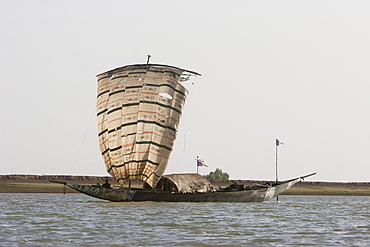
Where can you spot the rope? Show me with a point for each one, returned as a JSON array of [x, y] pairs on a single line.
[[83, 139]]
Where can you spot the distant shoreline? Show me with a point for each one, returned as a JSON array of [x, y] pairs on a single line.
[[41, 184]]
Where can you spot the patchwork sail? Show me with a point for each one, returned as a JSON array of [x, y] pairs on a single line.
[[138, 109]]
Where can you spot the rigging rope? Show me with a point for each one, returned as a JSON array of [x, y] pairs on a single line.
[[83, 139]]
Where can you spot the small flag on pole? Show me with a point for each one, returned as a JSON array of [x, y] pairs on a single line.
[[200, 162], [278, 143]]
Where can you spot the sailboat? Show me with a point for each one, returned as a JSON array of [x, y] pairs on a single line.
[[138, 110]]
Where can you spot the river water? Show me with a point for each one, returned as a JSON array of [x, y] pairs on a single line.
[[79, 220]]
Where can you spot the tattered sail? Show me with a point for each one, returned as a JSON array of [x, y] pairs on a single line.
[[139, 109]]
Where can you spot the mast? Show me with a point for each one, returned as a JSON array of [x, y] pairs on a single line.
[[276, 160], [277, 142]]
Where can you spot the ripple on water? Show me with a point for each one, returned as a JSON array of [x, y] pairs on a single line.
[[75, 219]]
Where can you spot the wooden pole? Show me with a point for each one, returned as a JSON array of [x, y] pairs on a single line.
[[197, 164], [276, 167], [276, 164], [147, 61]]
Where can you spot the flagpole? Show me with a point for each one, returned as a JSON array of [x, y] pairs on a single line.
[[276, 165], [197, 164]]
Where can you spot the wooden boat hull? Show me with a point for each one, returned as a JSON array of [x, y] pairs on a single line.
[[127, 195], [115, 195], [255, 195]]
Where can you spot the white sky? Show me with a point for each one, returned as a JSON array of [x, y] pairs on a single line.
[[293, 70]]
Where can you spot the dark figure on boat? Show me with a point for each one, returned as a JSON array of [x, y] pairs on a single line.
[[234, 187], [106, 184]]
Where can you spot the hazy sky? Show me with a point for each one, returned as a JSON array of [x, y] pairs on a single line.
[[293, 70]]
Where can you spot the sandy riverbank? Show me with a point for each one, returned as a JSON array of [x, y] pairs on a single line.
[[41, 184]]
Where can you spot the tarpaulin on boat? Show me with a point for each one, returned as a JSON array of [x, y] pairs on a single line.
[[189, 183], [139, 109]]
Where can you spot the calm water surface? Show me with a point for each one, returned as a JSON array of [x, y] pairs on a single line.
[[79, 220]]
